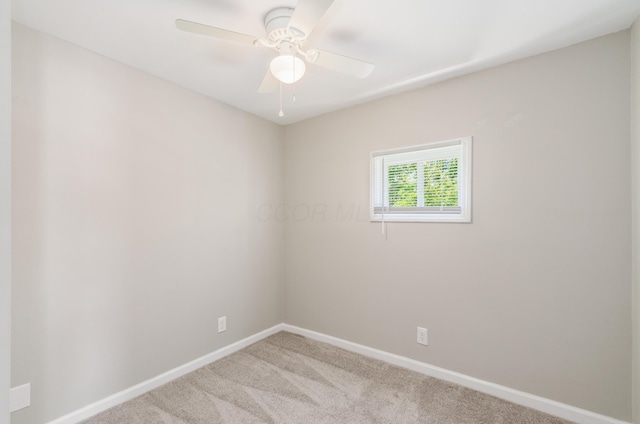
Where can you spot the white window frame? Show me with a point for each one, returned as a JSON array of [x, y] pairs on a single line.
[[381, 160]]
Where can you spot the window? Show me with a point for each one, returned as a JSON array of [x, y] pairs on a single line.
[[431, 182]]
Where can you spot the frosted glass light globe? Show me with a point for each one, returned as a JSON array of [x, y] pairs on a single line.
[[283, 66]]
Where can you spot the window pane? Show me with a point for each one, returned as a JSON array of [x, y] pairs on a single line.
[[426, 183], [403, 182], [441, 182]]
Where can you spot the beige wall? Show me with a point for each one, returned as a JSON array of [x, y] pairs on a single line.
[[136, 225], [534, 294], [5, 209], [635, 146]]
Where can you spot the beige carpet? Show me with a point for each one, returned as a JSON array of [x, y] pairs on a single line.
[[287, 378]]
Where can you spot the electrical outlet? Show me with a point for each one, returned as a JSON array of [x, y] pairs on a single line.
[[423, 336], [222, 324]]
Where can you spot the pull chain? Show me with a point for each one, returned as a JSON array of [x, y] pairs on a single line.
[[293, 58]]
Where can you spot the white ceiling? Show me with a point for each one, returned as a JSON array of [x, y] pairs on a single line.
[[412, 42]]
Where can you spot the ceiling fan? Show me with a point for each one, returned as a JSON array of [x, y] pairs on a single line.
[[287, 31]]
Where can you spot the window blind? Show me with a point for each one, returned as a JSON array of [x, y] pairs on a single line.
[[426, 180]]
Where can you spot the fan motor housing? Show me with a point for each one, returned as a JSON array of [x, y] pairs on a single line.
[[276, 24]]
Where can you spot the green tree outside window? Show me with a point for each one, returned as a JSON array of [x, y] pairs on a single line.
[[439, 183]]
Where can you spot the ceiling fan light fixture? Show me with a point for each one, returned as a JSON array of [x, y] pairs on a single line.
[[287, 68]]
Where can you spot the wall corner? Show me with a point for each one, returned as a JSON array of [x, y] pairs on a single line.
[[635, 216]]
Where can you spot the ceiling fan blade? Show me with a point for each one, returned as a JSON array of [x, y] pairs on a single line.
[[269, 83], [214, 32], [344, 64], [308, 13]]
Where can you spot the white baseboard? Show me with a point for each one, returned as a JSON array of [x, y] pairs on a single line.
[[548, 406], [19, 397], [145, 386]]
